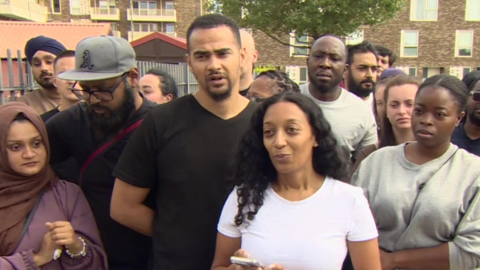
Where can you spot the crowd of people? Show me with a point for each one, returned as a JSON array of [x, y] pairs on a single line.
[[362, 168]]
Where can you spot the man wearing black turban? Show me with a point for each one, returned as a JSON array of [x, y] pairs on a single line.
[[41, 51]]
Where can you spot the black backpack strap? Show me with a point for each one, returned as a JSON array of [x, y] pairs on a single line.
[[30, 216]]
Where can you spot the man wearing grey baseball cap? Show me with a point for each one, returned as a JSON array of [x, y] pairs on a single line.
[[94, 133]]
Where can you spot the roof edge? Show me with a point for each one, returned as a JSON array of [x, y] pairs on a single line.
[[161, 36]]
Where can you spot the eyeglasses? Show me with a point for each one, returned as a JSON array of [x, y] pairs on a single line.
[[102, 95], [475, 96]]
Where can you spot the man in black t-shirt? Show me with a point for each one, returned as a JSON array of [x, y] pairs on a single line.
[[96, 131], [182, 151]]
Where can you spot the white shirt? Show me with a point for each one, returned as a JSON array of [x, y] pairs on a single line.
[[369, 101], [304, 235], [351, 119]]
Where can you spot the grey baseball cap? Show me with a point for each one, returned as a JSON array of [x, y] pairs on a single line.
[[100, 58]]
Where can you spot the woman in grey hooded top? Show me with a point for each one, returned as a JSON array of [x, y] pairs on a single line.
[[425, 195]]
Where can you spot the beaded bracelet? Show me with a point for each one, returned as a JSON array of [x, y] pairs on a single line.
[[82, 253]]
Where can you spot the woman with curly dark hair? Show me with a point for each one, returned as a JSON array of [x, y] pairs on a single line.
[[290, 210]]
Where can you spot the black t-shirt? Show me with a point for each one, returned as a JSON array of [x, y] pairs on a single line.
[[71, 135], [67, 170], [49, 114], [460, 138], [244, 92], [184, 153]]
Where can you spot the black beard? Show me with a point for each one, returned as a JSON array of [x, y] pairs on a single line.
[[357, 89], [46, 84], [473, 118], [117, 118], [325, 87], [221, 96]]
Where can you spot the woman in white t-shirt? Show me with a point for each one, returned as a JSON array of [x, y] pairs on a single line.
[[288, 210]]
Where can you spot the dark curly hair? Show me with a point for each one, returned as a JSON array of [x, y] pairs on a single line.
[[281, 80], [254, 169]]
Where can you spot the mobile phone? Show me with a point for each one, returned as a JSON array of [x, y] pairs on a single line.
[[245, 262]]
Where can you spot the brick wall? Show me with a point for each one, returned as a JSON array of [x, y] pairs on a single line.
[[65, 15], [273, 53], [124, 24], [187, 11], [436, 39]]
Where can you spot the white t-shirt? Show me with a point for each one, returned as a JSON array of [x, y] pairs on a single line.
[[305, 235], [369, 101], [351, 119]]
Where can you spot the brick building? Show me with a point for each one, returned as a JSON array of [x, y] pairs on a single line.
[[130, 19], [433, 36], [429, 37]]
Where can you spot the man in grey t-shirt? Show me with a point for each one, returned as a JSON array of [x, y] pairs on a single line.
[[352, 121]]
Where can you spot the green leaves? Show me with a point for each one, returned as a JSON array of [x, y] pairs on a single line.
[[278, 18]]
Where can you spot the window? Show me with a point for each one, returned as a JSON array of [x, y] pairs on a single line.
[[472, 10], [412, 71], [169, 9], [169, 6], [107, 7], [301, 45], [136, 27], [424, 10], [75, 8], [56, 6], [144, 5], [355, 38], [107, 4], [298, 74], [145, 27], [409, 43], [459, 71], [170, 28], [425, 73], [303, 75], [463, 43], [145, 8]]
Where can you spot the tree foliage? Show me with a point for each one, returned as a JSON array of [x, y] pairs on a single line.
[[313, 18], [261, 69]]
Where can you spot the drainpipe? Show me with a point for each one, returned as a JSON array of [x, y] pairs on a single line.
[[131, 20], [201, 7]]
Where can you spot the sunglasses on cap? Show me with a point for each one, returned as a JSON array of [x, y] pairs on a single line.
[[475, 96]]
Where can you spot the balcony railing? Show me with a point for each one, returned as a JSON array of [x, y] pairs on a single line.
[[23, 10], [160, 15], [105, 13]]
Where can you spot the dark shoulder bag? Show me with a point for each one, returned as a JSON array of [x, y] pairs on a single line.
[[30, 217]]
